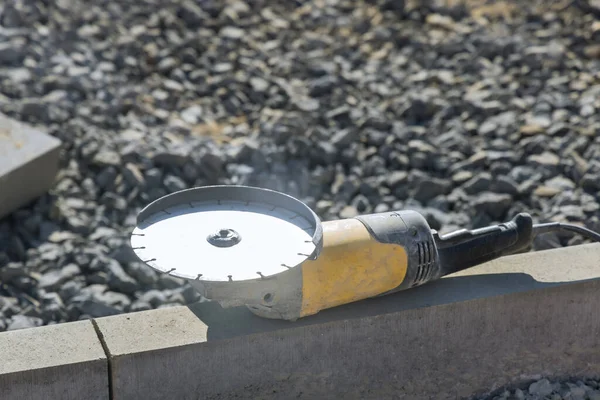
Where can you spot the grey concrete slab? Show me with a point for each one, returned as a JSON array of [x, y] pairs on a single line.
[[64, 361], [504, 322], [29, 162]]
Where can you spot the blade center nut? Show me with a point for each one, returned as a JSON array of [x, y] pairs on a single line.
[[224, 238]]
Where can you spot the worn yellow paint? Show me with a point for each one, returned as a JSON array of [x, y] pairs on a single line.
[[352, 266]]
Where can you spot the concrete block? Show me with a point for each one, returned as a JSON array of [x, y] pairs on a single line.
[[505, 322], [64, 361], [29, 161]]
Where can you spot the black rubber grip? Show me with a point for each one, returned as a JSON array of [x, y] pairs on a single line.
[[467, 248]]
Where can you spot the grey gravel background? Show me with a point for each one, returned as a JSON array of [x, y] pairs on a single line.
[[468, 113]]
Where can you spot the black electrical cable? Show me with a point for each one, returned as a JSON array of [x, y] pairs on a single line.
[[557, 226]]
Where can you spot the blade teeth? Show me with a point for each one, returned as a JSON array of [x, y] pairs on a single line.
[[198, 277], [171, 270], [261, 275], [230, 278]]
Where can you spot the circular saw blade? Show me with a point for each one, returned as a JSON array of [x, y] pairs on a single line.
[[226, 233]]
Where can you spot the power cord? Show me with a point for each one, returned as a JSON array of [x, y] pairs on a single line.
[[539, 229]]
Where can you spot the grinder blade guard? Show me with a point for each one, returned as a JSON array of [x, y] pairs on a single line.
[[237, 245]]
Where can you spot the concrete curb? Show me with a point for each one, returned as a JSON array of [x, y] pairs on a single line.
[[64, 361], [502, 323]]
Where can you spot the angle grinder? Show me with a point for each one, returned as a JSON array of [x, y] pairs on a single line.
[[268, 251]]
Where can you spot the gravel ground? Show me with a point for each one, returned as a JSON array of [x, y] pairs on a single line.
[[469, 113], [546, 389]]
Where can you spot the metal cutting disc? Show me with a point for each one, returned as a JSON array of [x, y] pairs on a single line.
[[226, 233]]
